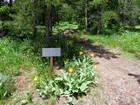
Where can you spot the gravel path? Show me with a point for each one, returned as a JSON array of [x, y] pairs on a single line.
[[120, 76], [121, 80]]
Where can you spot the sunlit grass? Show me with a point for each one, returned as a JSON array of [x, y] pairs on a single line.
[[128, 41], [16, 55], [137, 27]]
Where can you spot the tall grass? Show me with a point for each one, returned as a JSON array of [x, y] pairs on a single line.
[[18, 56], [13, 56], [128, 41]]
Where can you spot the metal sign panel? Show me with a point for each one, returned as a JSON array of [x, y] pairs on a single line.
[[51, 52]]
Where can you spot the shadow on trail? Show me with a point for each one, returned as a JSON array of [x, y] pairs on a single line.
[[66, 36], [99, 50], [136, 76]]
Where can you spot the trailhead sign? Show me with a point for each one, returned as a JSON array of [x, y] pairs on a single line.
[[51, 52]]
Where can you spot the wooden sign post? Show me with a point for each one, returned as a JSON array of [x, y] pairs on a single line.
[[51, 52]]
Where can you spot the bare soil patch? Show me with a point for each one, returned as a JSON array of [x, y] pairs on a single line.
[[22, 85]]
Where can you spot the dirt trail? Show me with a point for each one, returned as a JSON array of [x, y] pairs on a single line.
[[120, 76], [121, 79]]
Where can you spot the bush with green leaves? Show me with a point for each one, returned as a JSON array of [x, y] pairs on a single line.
[[68, 45], [6, 86], [5, 11], [72, 83]]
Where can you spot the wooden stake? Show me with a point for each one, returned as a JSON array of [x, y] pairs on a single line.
[[51, 66]]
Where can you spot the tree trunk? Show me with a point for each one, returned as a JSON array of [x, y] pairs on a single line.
[[86, 14], [10, 3], [35, 30], [99, 21], [48, 23], [35, 19], [99, 25]]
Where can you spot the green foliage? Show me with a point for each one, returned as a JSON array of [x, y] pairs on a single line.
[[54, 2], [16, 55], [110, 23], [70, 84], [13, 57], [113, 29], [7, 27], [68, 47], [28, 96], [67, 13], [24, 16], [41, 30], [52, 101], [129, 11], [5, 12], [23, 25], [98, 2], [63, 26], [7, 86], [113, 14], [107, 16], [4, 9]]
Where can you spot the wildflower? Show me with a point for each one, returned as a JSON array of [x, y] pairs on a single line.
[[35, 78], [65, 62], [29, 86], [81, 53], [92, 54], [95, 67], [70, 70]]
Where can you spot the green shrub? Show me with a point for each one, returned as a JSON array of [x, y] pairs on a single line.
[[108, 17], [71, 83], [69, 47]]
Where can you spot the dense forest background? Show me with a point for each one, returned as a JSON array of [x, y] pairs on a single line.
[[34, 18]]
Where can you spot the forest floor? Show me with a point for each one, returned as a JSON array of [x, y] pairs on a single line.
[[119, 75]]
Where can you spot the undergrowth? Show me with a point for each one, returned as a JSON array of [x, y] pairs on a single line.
[[79, 76], [17, 56]]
